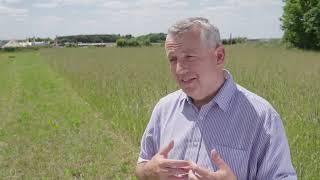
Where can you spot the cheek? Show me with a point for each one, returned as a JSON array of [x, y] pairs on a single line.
[[204, 74], [173, 71]]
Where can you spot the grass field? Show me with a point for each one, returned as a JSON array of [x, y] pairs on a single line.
[[81, 112], [48, 131]]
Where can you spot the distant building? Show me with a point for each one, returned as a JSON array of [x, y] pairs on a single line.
[[41, 43], [25, 43], [15, 44], [11, 44]]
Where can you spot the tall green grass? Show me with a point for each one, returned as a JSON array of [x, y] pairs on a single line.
[[47, 131], [124, 85]]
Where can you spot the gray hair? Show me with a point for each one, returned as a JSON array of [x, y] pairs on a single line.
[[209, 33]]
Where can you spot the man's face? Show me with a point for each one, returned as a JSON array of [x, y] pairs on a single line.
[[195, 67]]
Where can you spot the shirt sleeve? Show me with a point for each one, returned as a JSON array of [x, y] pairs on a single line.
[[150, 139], [274, 160]]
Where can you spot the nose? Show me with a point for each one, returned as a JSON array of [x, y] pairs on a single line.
[[181, 68]]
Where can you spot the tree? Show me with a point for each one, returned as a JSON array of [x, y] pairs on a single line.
[[146, 42], [301, 23], [133, 42], [121, 42]]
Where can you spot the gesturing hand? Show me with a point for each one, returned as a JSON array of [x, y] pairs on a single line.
[[159, 167], [223, 172]]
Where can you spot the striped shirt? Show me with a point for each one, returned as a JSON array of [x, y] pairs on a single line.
[[244, 129]]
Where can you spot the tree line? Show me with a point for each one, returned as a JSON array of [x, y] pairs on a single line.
[[112, 38], [301, 23]]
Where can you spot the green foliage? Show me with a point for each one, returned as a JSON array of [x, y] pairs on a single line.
[[125, 40], [301, 23], [96, 38], [121, 42], [10, 49], [16, 49], [153, 37], [146, 42], [38, 39], [133, 42]]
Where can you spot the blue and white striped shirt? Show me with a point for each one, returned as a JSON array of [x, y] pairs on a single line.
[[244, 129]]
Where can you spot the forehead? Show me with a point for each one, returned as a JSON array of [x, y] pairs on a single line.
[[186, 41]]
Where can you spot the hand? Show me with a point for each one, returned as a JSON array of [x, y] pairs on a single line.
[[223, 172], [159, 167]]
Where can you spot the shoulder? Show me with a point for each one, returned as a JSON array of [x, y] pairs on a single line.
[[260, 105], [171, 99], [168, 104], [265, 112]]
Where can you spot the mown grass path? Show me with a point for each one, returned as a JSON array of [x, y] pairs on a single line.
[[48, 131]]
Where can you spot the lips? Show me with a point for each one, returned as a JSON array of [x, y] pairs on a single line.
[[187, 81]]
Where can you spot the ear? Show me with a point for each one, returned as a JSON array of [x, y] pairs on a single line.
[[220, 55]]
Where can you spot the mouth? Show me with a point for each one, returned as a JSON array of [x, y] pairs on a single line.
[[187, 81]]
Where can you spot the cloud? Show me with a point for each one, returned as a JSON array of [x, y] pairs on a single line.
[[55, 3], [253, 3], [8, 11], [77, 2], [51, 19], [88, 22], [218, 8], [239, 4], [20, 19], [10, 1], [45, 5], [115, 5], [176, 4], [161, 3]]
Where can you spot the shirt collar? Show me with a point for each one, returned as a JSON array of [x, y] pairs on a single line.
[[224, 95]]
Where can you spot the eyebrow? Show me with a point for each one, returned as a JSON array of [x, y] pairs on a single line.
[[189, 50], [170, 54]]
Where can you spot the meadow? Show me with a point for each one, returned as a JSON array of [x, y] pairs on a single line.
[[80, 112]]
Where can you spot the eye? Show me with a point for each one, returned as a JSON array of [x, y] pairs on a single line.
[[172, 59], [189, 56]]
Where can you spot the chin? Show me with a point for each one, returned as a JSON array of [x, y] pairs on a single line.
[[191, 93]]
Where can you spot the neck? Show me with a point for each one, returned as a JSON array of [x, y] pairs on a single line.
[[199, 103]]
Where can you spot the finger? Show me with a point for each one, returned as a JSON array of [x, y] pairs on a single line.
[[165, 150], [217, 160], [184, 177], [171, 163], [191, 175], [178, 173], [203, 172], [175, 171]]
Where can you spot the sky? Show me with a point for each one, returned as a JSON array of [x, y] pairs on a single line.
[[20, 19]]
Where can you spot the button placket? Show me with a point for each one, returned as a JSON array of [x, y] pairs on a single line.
[[204, 111], [193, 144]]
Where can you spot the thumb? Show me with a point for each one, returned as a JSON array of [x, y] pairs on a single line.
[[191, 175], [217, 160], [165, 150]]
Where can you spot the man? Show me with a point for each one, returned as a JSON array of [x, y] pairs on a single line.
[[212, 128]]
